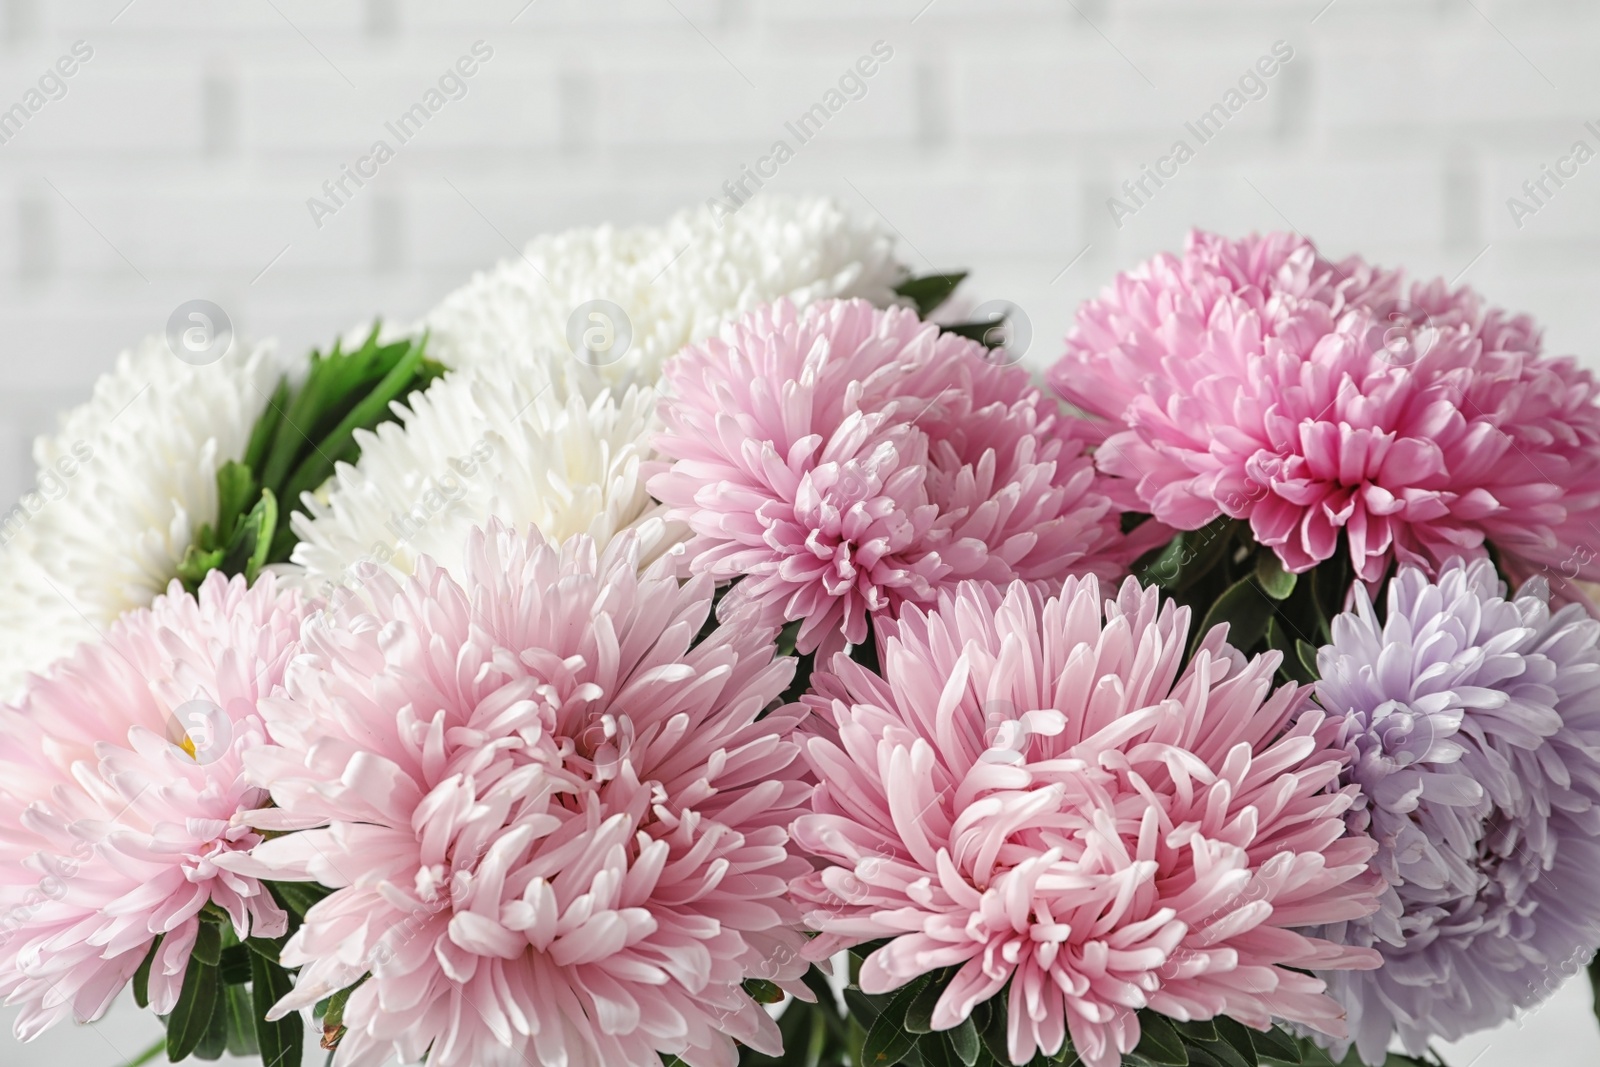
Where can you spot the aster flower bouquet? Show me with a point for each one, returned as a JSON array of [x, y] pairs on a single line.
[[781, 675]]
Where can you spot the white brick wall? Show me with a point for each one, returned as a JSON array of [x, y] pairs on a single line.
[[179, 161]]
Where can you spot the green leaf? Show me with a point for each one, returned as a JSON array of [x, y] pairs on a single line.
[[855, 1039], [214, 1042], [141, 977], [1594, 984], [1317, 1056], [816, 1041], [242, 548], [265, 947], [1164, 567], [198, 562], [241, 1026], [930, 290], [208, 944], [819, 985], [298, 898], [994, 1035], [812, 1035], [299, 436], [857, 957], [964, 1041], [761, 991], [1276, 1044], [257, 534], [1246, 611], [788, 636], [800, 684], [1278, 638], [1276, 582], [1159, 1042], [861, 1006], [934, 1049], [1197, 1030], [981, 331], [866, 653], [280, 1042], [320, 401], [236, 492], [371, 410], [919, 1013], [1223, 1052], [1237, 1035], [887, 1043], [191, 1016], [234, 968], [333, 1018], [1330, 584], [888, 1039], [1189, 556], [267, 426], [1307, 653]]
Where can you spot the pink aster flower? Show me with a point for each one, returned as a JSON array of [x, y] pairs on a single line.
[[844, 460], [553, 818], [1323, 401], [1035, 794], [121, 786]]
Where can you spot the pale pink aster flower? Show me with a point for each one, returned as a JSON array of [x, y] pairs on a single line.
[[844, 460], [554, 824], [1323, 401], [121, 786], [1034, 793]]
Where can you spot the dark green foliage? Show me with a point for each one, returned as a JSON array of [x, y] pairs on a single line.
[[191, 1016], [882, 1030], [930, 290], [297, 440], [1159, 1041], [889, 1040], [805, 664], [1225, 577], [280, 1043], [333, 1016], [241, 1021], [141, 977], [1594, 984], [230, 985], [866, 653], [297, 898]]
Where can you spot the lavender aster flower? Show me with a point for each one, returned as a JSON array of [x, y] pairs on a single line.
[[1473, 723]]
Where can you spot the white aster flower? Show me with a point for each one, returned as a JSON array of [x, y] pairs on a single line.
[[498, 439], [37, 624], [143, 454], [676, 283]]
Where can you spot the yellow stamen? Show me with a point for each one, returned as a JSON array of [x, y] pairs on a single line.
[[187, 744]]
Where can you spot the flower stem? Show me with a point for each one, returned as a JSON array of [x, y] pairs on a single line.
[[148, 1054]]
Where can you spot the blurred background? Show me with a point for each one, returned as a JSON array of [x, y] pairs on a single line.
[[177, 161]]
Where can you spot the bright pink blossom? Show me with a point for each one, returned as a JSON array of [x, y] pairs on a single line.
[[843, 460], [552, 820], [1323, 401], [121, 788], [1034, 793]]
